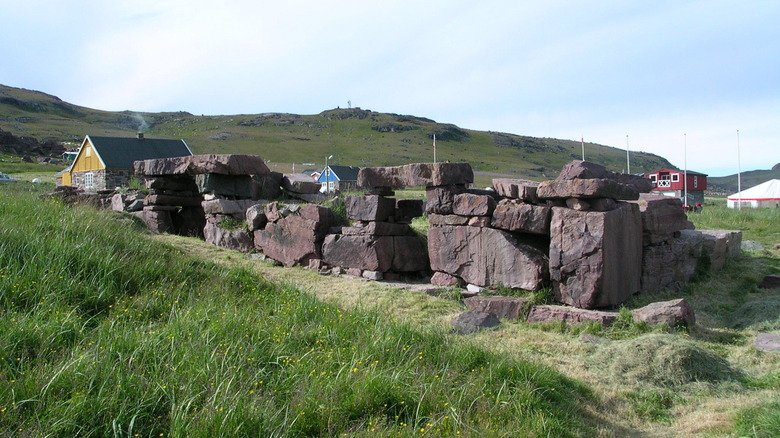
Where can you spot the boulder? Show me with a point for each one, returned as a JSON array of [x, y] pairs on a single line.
[[570, 315], [118, 202], [291, 240], [255, 217], [672, 264], [375, 253], [439, 200], [522, 189], [578, 169], [770, 282], [234, 186], [322, 216], [437, 174], [662, 218], [586, 188], [388, 177], [227, 206], [721, 245], [369, 207], [158, 220], [768, 342], [595, 257], [472, 322], [502, 307], [467, 204], [226, 164], [512, 215], [267, 186], [240, 240], [487, 257], [445, 279], [674, 313], [300, 183]]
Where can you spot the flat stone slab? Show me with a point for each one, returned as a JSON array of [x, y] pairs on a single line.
[[467, 204], [768, 342], [675, 313], [586, 188], [300, 183], [662, 218], [225, 164], [369, 208], [502, 307], [417, 174], [512, 215], [472, 322], [516, 188], [570, 315]]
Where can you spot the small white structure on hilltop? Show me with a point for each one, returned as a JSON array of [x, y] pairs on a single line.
[[766, 195]]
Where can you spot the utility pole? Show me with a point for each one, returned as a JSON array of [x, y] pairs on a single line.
[[739, 175], [628, 162], [434, 148], [685, 165]]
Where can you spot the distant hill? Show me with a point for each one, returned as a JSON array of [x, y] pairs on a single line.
[[727, 185], [354, 136]]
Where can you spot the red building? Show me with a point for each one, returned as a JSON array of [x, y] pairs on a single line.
[[671, 182]]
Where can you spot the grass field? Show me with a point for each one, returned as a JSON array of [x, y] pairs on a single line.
[[107, 330]]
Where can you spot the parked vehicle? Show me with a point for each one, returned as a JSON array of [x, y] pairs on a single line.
[[6, 178]]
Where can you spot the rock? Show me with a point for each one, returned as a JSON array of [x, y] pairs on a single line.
[[446, 219], [578, 169], [388, 177], [239, 240], [439, 200], [466, 204], [511, 215], [487, 257], [444, 279], [136, 205], [255, 217], [271, 211], [377, 229], [768, 342], [662, 218], [300, 183], [672, 264], [408, 209], [674, 313], [369, 208], [577, 204], [355, 272], [502, 307], [316, 264], [721, 245], [267, 186], [178, 201], [157, 220], [227, 206], [479, 221], [586, 188], [473, 289], [182, 183], [375, 253], [437, 174], [595, 257], [118, 202], [516, 189], [770, 282], [229, 164], [322, 216], [570, 315], [472, 322], [372, 275], [234, 186], [291, 240]]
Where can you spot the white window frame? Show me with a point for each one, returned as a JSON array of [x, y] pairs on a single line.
[[675, 177], [653, 177], [89, 180], [695, 181]]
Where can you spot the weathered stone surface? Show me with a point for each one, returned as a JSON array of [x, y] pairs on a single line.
[[577, 204], [230, 164], [640, 183], [118, 202], [487, 257], [662, 218], [768, 342], [512, 215], [267, 186], [439, 200], [322, 216], [179, 201], [389, 177], [255, 217], [369, 208], [770, 282], [446, 219], [467, 204], [136, 205], [674, 313], [372, 275], [586, 188], [159, 221], [227, 206], [578, 169], [175, 182], [240, 240], [375, 253], [300, 183], [570, 315], [516, 189], [408, 209], [437, 174], [445, 279], [291, 240], [672, 264], [234, 186], [479, 221], [721, 245], [595, 257], [472, 322], [377, 229], [502, 307]]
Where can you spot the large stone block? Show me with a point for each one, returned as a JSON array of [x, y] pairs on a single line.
[[436, 220], [674, 313], [578, 169], [239, 240], [662, 218], [512, 215], [439, 200], [672, 264], [389, 177], [375, 253], [487, 257], [570, 315], [255, 217], [227, 206], [595, 257], [158, 220], [179, 201], [502, 307], [586, 188], [181, 183], [516, 188], [369, 207], [300, 183], [721, 245], [437, 174], [291, 240], [467, 204], [235, 186], [267, 186], [323, 217], [226, 164]]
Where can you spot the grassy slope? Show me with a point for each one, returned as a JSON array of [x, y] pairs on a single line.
[[99, 338], [728, 185], [288, 138]]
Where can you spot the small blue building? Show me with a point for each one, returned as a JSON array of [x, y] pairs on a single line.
[[338, 178]]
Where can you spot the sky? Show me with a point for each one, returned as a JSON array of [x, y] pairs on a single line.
[[697, 82]]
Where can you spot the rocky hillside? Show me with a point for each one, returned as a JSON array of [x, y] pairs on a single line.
[[354, 136], [727, 185]]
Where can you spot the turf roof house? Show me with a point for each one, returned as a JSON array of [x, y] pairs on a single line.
[[107, 162], [339, 178]]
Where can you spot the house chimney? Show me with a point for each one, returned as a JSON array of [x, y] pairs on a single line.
[[140, 135]]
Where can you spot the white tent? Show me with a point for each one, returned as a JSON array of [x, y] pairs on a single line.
[[763, 195]]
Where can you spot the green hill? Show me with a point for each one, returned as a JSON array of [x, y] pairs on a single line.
[[353, 136], [727, 185]]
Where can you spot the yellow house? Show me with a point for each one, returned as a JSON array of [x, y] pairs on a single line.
[[107, 162]]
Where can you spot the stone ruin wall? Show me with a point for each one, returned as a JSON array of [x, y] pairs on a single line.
[[596, 237]]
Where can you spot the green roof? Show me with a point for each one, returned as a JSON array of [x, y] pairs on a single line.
[[120, 152]]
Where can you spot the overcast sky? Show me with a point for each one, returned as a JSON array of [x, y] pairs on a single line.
[[663, 73]]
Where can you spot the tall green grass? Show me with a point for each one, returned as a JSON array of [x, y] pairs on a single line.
[[759, 224], [104, 332]]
